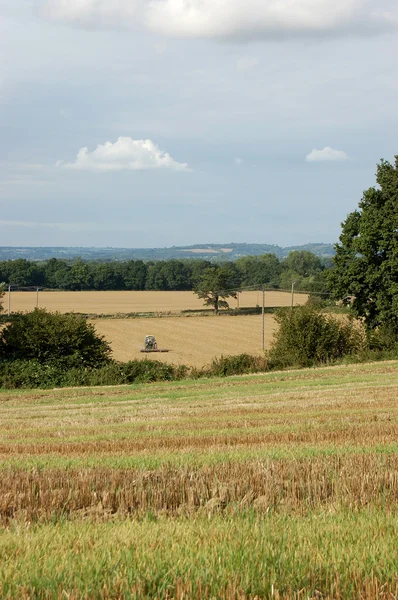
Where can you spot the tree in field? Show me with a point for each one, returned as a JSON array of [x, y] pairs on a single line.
[[366, 260], [53, 337], [216, 284]]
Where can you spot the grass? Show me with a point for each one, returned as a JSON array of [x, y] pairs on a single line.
[[277, 485], [348, 555]]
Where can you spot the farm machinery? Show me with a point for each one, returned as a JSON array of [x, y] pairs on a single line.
[[151, 345]]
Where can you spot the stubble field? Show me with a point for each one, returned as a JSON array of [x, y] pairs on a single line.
[[98, 303], [281, 485], [193, 341]]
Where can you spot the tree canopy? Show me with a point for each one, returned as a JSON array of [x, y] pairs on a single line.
[[218, 283], [53, 337], [366, 260]]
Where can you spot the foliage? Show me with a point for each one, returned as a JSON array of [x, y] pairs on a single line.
[[66, 340], [259, 270], [236, 365], [308, 337], [304, 263], [253, 271], [35, 374], [315, 301], [218, 283], [366, 261]]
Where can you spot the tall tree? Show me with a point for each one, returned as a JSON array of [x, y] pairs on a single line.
[[217, 284], [366, 260]]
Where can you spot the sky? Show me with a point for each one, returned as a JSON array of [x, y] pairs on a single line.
[[143, 123]]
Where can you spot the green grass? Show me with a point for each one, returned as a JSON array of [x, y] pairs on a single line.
[[337, 554], [320, 445]]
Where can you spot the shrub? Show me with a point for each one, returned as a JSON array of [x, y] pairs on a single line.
[[236, 365], [383, 338], [315, 301], [307, 337], [45, 337], [34, 374]]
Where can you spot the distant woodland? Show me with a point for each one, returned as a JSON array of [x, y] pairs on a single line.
[[301, 266]]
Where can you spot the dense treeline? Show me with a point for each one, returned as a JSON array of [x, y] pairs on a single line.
[[304, 268]]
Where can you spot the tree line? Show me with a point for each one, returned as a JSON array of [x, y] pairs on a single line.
[[304, 268]]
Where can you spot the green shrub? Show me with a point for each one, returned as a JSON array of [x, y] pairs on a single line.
[[33, 374], [236, 365], [315, 301], [53, 338], [307, 337], [30, 374], [383, 338]]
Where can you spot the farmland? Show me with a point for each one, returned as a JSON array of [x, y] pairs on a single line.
[[278, 485], [192, 341], [111, 303]]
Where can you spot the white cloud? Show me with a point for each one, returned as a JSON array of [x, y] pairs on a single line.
[[125, 154], [230, 19], [238, 161], [246, 63], [326, 154]]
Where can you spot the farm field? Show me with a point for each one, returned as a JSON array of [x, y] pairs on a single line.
[[280, 485], [97, 303], [193, 341]]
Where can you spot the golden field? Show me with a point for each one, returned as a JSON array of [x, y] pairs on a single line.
[[97, 303], [193, 341]]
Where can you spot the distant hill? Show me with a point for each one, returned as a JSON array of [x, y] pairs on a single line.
[[213, 252]]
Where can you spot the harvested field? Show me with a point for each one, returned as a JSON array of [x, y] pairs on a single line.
[[97, 303], [192, 341], [281, 485]]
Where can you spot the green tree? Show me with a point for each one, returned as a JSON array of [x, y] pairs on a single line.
[[259, 270], [366, 260], [53, 337], [218, 283], [303, 262]]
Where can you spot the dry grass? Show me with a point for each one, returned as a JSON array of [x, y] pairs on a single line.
[[249, 418], [131, 302], [192, 341], [298, 486], [282, 485]]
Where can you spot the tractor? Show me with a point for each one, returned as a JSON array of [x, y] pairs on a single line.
[[151, 345]]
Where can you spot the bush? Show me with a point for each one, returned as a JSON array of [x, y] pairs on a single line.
[[33, 374], [383, 338], [67, 340], [315, 301], [307, 337], [236, 365]]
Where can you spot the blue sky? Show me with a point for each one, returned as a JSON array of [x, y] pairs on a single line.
[[170, 122]]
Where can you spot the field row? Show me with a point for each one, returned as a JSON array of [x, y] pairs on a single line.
[[134, 302]]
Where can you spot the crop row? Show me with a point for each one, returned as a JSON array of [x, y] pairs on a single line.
[[300, 485]]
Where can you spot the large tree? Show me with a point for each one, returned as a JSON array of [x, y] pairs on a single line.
[[218, 283], [366, 260]]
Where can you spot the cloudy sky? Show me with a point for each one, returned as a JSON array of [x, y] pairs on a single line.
[[142, 123]]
